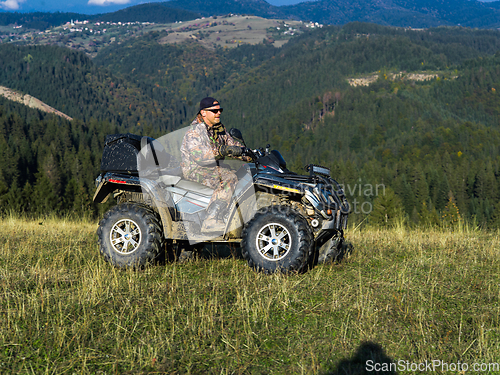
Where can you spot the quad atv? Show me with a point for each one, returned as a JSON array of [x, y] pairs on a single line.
[[280, 218]]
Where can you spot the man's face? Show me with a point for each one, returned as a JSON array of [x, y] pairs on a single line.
[[211, 115]]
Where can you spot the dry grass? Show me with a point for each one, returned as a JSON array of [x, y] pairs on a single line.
[[410, 295]]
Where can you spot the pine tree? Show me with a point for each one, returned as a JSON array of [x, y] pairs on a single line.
[[45, 199], [429, 215], [495, 217], [387, 209], [450, 215]]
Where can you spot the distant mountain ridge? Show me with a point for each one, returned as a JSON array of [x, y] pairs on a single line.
[[405, 13], [402, 13], [149, 12]]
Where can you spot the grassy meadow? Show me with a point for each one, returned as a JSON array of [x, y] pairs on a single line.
[[403, 295]]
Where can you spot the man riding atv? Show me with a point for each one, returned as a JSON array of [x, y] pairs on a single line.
[[176, 192]]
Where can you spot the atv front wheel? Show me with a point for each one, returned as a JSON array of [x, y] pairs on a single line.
[[277, 239], [130, 235]]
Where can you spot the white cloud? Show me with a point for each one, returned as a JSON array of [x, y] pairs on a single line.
[[11, 4], [107, 2]]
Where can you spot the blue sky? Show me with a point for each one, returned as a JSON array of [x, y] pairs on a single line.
[[89, 6]]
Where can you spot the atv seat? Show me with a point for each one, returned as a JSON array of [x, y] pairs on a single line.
[[174, 177]]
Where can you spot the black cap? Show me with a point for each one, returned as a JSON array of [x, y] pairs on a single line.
[[208, 102]]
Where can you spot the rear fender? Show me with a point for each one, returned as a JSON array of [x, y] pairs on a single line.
[[160, 197], [113, 181]]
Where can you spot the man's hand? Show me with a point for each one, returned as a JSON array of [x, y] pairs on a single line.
[[233, 151]]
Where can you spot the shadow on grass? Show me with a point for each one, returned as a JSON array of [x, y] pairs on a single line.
[[369, 358], [329, 253], [220, 250], [182, 252]]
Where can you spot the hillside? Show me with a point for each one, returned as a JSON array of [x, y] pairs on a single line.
[[92, 35], [69, 81], [424, 141], [333, 54], [232, 31], [30, 101]]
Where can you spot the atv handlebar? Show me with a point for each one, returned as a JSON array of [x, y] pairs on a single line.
[[249, 152], [257, 153]]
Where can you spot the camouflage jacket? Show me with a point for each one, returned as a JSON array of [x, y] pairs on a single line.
[[200, 151]]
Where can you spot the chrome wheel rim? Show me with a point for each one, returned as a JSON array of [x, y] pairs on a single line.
[[273, 242], [125, 236]]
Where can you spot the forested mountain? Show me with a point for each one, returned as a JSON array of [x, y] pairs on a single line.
[[177, 75], [429, 142], [320, 61], [410, 136], [432, 147], [413, 13], [38, 20], [70, 82], [150, 12], [404, 13]]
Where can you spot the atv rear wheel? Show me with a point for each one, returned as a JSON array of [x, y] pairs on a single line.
[[130, 235], [277, 239]]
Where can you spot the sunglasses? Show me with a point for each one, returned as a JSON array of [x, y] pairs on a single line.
[[214, 110]]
